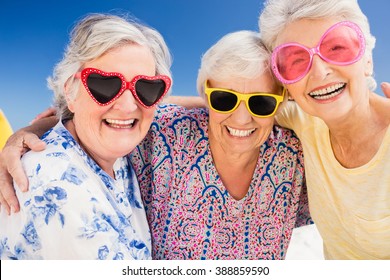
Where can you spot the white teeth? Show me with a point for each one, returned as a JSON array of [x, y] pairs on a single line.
[[120, 123], [240, 133], [329, 92]]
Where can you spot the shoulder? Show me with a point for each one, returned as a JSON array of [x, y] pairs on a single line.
[[56, 161], [175, 130], [283, 147], [281, 135], [293, 117], [57, 146], [173, 120], [169, 113]]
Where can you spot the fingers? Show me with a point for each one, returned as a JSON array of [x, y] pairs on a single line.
[[386, 89], [16, 146], [8, 199], [15, 169], [11, 167], [31, 141]]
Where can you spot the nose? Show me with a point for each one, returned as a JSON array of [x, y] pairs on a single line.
[[126, 102], [319, 68], [241, 115]]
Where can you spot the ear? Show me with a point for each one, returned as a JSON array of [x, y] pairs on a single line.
[[69, 99], [289, 97], [368, 67]]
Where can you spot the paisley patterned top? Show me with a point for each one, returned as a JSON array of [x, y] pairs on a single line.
[[191, 214], [74, 210]]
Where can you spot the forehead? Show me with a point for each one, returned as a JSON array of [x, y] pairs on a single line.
[[262, 83], [128, 59], [305, 31]]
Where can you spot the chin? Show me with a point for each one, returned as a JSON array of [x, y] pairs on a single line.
[[120, 151]]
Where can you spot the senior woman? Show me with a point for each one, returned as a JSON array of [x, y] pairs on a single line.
[[84, 200], [342, 123], [224, 182], [227, 183]]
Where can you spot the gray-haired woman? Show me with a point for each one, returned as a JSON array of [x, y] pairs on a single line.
[[322, 53], [84, 200]]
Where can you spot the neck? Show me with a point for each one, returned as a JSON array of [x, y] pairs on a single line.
[[356, 138], [362, 121], [235, 169], [106, 165]]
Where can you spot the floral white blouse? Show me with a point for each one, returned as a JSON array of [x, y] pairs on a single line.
[[74, 210]]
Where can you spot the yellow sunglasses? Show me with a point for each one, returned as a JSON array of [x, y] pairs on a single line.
[[259, 104]]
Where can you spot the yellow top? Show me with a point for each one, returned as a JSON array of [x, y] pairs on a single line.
[[350, 207], [5, 130]]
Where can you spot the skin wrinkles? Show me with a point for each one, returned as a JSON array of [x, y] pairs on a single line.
[[351, 99], [108, 132], [235, 156]]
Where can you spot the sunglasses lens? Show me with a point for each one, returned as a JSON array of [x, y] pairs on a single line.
[[150, 91], [103, 88], [262, 105], [222, 100], [292, 61], [341, 45]]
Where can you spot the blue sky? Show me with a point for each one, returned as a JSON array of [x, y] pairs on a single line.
[[33, 35]]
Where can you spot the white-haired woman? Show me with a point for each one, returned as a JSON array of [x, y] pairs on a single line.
[[84, 200], [322, 53], [227, 183]]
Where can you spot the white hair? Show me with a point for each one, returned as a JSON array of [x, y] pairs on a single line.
[[92, 37], [237, 54], [277, 14]]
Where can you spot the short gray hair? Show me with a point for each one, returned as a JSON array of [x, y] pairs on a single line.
[[237, 54], [277, 14], [92, 37]]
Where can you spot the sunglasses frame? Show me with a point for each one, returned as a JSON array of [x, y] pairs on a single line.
[[316, 50], [244, 97], [130, 85]]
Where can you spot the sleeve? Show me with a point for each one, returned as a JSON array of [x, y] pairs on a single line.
[[58, 226], [64, 221], [291, 117], [152, 158]]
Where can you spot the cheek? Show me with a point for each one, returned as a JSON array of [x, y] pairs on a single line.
[[265, 122], [147, 116], [80, 102], [215, 119], [87, 121], [88, 113]]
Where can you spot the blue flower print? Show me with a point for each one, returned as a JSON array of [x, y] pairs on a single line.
[[49, 204], [74, 209], [103, 252], [74, 175], [31, 237]]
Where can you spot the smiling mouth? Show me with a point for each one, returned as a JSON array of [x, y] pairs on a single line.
[[329, 92], [120, 123], [240, 133]]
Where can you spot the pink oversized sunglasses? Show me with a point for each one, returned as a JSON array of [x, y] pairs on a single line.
[[105, 87], [342, 44]]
